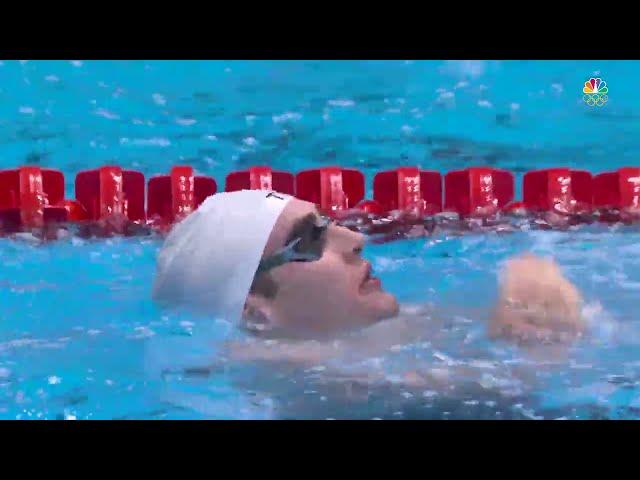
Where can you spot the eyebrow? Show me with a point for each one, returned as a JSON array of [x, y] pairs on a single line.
[[301, 226]]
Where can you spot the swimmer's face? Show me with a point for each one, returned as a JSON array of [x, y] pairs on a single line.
[[337, 292]]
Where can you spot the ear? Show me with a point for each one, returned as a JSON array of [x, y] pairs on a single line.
[[258, 316]]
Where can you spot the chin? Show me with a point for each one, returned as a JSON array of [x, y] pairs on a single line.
[[394, 307], [383, 306]]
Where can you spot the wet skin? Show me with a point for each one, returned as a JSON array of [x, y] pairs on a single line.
[[333, 294]]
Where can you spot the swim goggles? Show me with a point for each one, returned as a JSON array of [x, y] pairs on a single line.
[[298, 250]]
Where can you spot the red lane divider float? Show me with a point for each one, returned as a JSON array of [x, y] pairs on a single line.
[[410, 190], [110, 190], [335, 190], [558, 190], [30, 198], [261, 178], [113, 199], [478, 192], [401, 199], [616, 195], [172, 197], [75, 211]]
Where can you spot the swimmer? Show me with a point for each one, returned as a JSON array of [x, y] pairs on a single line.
[[271, 263]]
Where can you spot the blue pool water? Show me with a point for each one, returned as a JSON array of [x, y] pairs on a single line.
[[80, 337]]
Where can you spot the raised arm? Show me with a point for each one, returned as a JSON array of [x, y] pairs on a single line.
[[536, 303]]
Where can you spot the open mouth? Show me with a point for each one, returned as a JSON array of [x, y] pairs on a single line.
[[369, 282]]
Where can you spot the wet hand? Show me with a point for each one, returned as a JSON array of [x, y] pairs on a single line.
[[537, 303]]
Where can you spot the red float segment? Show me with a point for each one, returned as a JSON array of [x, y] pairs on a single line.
[[27, 196], [10, 220], [172, 197], [582, 187], [409, 189], [159, 203], [26, 185], [561, 190], [203, 187], [514, 207], [14, 219], [111, 191], [370, 207], [619, 189], [261, 178], [31, 201], [332, 188], [478, 191], [75, 211], [133, 186], [55, 214], [182, 191]]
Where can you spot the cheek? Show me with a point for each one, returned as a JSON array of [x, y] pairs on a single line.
[[325, 295], [327, 281]]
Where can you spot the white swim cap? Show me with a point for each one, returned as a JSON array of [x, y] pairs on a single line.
[[209, 260]]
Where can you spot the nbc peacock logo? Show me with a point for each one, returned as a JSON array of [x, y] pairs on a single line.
[[595, 92]]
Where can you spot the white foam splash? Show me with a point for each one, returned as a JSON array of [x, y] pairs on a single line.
[[159, 99], [385, 264], [102, 112], [446, 99], [629, 285], [142, 332], [186, 121], [341, 103], [465, 68], [600, 322], [286, 117], [146, 142]]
